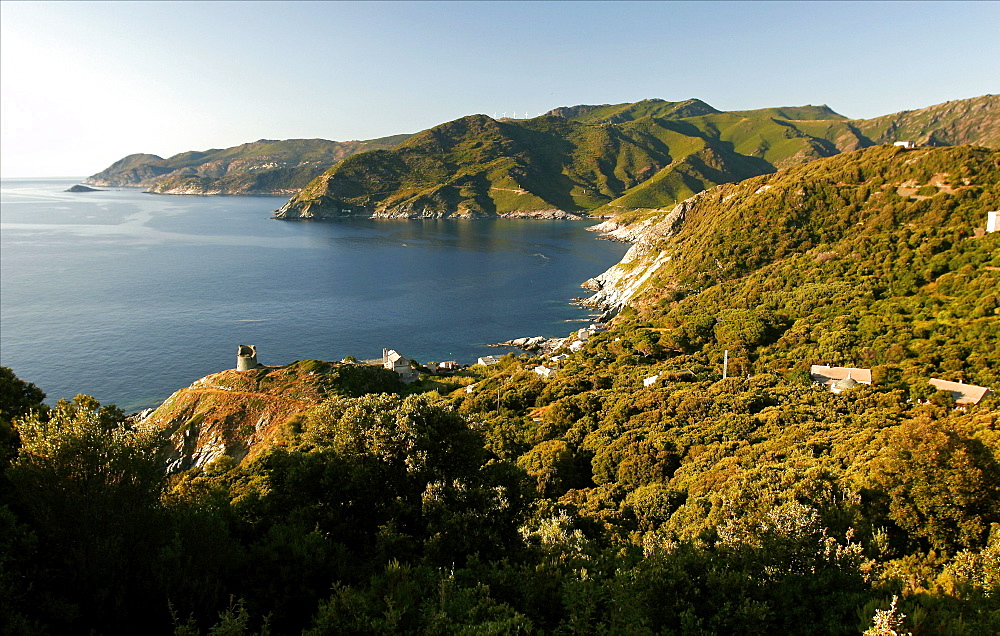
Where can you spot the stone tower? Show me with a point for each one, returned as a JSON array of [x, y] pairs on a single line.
[[246, 357]]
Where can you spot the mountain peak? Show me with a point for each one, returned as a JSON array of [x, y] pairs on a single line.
[[634, 111]]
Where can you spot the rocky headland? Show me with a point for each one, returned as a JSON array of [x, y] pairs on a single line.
[[239, 414], [264, 167]]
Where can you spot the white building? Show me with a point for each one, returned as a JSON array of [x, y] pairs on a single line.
[[545, 372], [963, 393], [488, 360], [650, 381], [993, 221], [393, 361], [839, 378], [905, 144]]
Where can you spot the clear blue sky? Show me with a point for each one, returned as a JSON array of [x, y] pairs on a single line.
[[86, 83]]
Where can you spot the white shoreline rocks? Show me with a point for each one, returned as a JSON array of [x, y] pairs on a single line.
[[294, 210], [534, 344], [620, 283], [616, 286]]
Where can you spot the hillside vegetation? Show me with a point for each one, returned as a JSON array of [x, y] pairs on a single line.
[[241, 414], [260, 167], [636, 491], [622, 160], [963, 121], [611, 158]]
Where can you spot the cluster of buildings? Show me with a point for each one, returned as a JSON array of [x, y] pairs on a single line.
[[839, 379]]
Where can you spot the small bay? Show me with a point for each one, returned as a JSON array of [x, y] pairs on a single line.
[[129, 296]]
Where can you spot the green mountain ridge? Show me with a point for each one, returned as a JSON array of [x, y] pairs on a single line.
[[261, 167], [619, 113], [952, 123], [610, 160], [694, 145]]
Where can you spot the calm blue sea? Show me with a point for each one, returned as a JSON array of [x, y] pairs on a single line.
[[129, 296]]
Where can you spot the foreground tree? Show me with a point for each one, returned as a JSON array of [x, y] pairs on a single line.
[[89, 486], [17, 399]]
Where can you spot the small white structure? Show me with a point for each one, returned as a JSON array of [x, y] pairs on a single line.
[[963, 393], [905, 144], [843, 385], [559, 358], [470, 388], [839, 378], [447, 365], [545, 372], [393, 361], [650, 381], [583, 334], [576, 345], [488, 360], [993, 221]]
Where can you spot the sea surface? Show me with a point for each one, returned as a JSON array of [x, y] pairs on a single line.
[[128, 296]]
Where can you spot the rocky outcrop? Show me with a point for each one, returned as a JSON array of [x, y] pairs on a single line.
[[535, 344], [240, 414], [619, 284], [81, 188], [213, 417]]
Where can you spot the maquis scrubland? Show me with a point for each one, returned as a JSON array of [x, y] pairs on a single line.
[[635, 491]]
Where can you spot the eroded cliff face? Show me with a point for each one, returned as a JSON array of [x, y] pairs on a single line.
[[242, 413], [622, 282], [214, 417]]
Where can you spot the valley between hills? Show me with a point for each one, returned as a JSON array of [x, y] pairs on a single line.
[[790, 425]]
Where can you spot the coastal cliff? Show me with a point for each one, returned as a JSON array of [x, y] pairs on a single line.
[[616, 286], [724, 232]]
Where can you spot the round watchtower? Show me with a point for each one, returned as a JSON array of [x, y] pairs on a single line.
[[246, 357]]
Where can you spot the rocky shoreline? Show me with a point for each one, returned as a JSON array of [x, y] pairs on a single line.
[[546, 215], [622, 281], [288, 213], [534, 344], [616, 286]]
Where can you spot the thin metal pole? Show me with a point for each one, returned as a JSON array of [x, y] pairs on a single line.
[[725, 365]]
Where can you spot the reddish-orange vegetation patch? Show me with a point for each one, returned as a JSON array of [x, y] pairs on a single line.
[[239, 413]]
